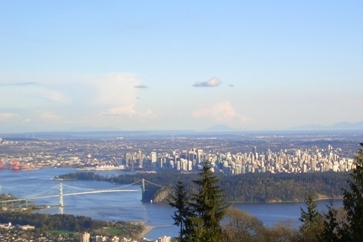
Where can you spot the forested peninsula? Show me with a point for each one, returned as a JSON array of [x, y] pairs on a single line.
[[244, 188]]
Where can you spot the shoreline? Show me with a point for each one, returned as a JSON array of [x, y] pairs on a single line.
[[146, 230], [281, 202]]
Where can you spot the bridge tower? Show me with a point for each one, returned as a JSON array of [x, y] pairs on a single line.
[[61, 204], [143, 185]]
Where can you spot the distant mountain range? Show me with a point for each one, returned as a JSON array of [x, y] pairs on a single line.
[[87, 132], [220, 127], [337, 126]]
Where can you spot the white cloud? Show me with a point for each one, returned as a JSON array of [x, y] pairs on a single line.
[[127, 111], [48, 116], [53, 95], [213, 82], [4, 116], [219, 112], [28, 95], [117, 89], [117, 94], [98, 99]]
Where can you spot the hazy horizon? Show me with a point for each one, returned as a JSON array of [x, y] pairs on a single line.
[[141, 65]]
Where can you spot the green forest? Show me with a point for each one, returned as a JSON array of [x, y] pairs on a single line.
[[47, 222], [251, 187]]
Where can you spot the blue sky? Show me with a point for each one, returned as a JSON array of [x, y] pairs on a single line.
[[176, 65]]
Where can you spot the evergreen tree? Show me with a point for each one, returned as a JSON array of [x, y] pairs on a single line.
[[331, 230], [208, 206], [179, 200], [353, 201], [311, 219]]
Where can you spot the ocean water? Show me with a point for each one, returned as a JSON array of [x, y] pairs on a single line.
[[125, 205]]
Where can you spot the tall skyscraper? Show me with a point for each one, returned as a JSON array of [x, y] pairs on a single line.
[[200, 155], [153, 159], [128, 158], [85, 237]]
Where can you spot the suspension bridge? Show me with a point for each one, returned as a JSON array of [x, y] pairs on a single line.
[[25, 202]]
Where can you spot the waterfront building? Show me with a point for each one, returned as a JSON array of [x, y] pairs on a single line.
[[164, 239]]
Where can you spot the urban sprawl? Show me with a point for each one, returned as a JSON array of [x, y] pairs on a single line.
[[230, 156]]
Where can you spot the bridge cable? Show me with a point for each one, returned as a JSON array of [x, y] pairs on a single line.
[[107, 190], [153, 183], [79, 188], [36, 195], [90, 189]]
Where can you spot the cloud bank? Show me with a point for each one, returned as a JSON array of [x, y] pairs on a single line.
[[213, 82], [19, 84], [128, 111], [106, 100], [4, 116], [117, 93], [141, 86], [219, 112]]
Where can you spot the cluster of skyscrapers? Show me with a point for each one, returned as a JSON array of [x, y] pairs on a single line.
[[287, 160]]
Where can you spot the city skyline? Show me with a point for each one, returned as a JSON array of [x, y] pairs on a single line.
[[261, 65]]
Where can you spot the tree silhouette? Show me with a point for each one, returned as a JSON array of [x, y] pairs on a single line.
[[331, 231], [208, 207], [353, 201], [312, 221], [179, 200]]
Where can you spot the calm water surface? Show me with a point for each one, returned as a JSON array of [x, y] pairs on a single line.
[[124, 206]]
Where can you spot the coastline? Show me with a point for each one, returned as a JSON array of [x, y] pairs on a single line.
[[146, 230], [288, 202]]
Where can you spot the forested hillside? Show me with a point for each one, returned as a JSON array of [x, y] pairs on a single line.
[[283, 187], [252, 187]]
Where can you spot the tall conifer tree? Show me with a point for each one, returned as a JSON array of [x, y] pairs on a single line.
[[208, 206], [350, 229], [331, 231], [312, 221], [353, 201], [179, 200]]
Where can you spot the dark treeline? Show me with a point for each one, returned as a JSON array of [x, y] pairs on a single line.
[[251, 187], [50, 222], [265, 187]]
